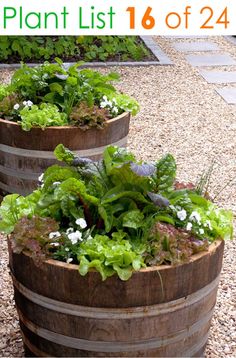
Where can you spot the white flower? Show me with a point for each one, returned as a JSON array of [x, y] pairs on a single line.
[[81, 222], [56, 183], [67, 249], [69, 230], [189, 226], [40, 178], [55, 244], [16, 106], [115, 110], [75, 236], [28, 103], [54, 235], [201, 231], [195, 216], [208, 224], [181, 215], [69, 260], [103, 104]]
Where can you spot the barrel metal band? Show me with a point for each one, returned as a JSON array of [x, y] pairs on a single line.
[[29, 153], [117, 313], [104, 346]]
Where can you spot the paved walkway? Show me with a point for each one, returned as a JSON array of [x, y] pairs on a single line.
[[208, 54]]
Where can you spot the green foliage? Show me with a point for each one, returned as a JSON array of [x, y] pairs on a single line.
[[14, 207], [4, 91], [50, 95], [88, 48], [132, 213], [109, 256], [165, 174], [43, 116]]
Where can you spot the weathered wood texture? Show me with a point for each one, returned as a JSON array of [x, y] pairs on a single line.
[[64, 314], [25, 155]]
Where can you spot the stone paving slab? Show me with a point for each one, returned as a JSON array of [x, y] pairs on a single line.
[[186, 37], [229, 94], [196, 46], [218, 76], [210, 60]]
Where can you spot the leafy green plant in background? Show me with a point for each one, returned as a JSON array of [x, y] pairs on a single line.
[[86, 48], [116, 215], [53, 95]]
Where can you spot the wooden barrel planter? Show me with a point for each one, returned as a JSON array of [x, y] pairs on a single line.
[[161, 311], [25, 155]]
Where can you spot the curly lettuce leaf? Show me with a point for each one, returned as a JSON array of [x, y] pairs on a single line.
[[14, 207], [109, 256]]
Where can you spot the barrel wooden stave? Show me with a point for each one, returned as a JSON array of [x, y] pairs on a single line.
[[25, 155], [97, 328], [142, 290], [77, 319]]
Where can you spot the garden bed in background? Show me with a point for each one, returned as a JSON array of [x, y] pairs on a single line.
[[93, 50]]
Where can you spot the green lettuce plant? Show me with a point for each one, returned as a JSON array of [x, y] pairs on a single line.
[[52, 95], [115, 216]]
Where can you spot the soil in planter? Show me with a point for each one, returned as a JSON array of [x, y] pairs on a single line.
[[37, 49]]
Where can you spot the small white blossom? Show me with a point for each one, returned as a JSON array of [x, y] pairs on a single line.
[[201, 231], [81, 222], [69, 260], [54, 235], [55, 244], [105, 102], [181, 215], [40, 178], [189, 226], [208, 224], [75, 236], [69, 230], [115, 110], [28, 103], [67, 249], [16, 106], [195, 216]]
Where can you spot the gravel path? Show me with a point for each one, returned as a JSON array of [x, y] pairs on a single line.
[[181, 114]]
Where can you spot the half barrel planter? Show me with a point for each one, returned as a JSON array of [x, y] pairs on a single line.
[[25, 155], [162, 311]]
